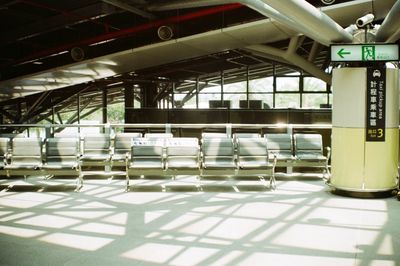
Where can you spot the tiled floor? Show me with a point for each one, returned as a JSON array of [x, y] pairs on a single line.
[[215, 222]]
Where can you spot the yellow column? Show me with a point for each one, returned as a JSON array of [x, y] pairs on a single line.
[[358, 165]]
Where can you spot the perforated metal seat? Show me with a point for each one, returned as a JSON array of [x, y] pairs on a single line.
[[280, 145], [61, 153], [309, 152], [183, 153], [146, 153], [218, 153], [26, 156], [158, 135], [4, 150], [96, 150], [146, 157], [62, 158], [253, 158], [122, 146], [252, 153], [308, 147]]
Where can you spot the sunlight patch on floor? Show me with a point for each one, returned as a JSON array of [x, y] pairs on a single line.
[[89, 243]]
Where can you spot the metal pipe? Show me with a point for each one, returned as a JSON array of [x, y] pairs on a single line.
[[268, 11], [293, 58], [309, 23], [312, 19], [390, 25], [395, 36], [315, 48]]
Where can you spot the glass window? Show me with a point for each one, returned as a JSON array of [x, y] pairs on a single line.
[[213, 89], [189, 102], [267, 99], [314, 100], [183, 89], [261, 85], [287, 84], [234, 99], [137, 104], [206, 97], [295, 73], [116, 113], [287, 100], [314, 84], [235, 87]]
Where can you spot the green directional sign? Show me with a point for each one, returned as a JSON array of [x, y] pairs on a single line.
[[342, 53], [364, 52]]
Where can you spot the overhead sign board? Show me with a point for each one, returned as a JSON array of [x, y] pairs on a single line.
[[364, 52]]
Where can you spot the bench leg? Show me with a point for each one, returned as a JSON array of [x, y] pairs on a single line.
[[47, 177], [79, 182], [127, 182], [272, 180], [272, 183], [326, 174]]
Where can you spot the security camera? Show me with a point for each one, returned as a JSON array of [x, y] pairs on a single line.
[[365, 20]]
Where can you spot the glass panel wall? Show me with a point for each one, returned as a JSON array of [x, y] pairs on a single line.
[[293, 90]]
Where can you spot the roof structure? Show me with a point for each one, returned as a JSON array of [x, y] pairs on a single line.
[[51, 50]]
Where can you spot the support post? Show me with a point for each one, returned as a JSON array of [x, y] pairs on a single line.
[[129, 99], [104, 106]]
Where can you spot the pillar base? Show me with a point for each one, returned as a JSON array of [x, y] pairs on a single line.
[[365, 194]]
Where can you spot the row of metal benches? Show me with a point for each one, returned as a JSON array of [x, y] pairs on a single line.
[[161, 154]]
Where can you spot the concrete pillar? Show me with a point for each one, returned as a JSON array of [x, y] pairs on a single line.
[[360, 164]]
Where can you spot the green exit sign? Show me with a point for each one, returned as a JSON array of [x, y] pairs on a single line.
[[364, 52]]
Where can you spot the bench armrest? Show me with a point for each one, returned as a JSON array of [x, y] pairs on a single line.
[[328, 153]]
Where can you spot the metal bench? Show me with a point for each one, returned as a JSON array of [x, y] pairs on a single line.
[[218, 157], [5, 148], [252, 159], [25, 158], [122, 146], [62, 158], [96, 150], [145, 158], [309, 151], [280, 145], [182, 156]]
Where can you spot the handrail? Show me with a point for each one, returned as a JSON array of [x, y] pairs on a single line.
[[152, 125]]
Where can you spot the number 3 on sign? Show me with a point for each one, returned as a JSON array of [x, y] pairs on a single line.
[[380, 133]]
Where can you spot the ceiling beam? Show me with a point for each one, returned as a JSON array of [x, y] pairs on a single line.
[[130, 8], [57, 22]]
